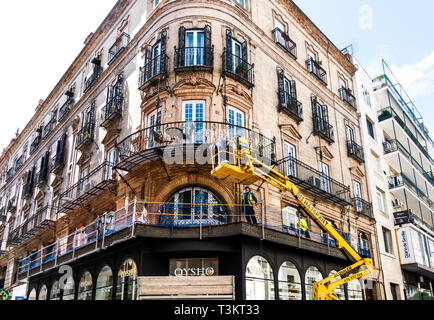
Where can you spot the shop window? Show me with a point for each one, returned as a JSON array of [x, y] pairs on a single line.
[[85, 287], [104, 284], [55, 291], [69, 290], [312, 275], [339, 291], [32, 295], [193, 206], [126, 288], [355, 290], [259, 280], [43, 293], [289, 282]]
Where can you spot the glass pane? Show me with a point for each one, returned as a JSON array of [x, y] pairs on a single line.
[[104, 284], [289, 282], [259, 280], [127, 281], [312, 275]]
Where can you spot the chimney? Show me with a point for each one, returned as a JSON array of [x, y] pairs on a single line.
[[40, 103], [88, 38]]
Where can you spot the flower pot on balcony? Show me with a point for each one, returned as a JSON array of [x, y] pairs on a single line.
[[242, 69]]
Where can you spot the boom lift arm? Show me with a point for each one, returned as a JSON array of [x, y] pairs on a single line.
[[237, 162]]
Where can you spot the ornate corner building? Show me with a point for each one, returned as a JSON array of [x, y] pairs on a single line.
[[93, 181]]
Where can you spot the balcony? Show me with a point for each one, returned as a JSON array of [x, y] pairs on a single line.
[[112, 111], [347, 96], [323, 129], [364, 252], [66, 108], [42, 176], [11, 207], [13, 237], [363, 207], [28, 190], [238, 69], [19, 163], [57, 163], [284, 41], [315, 68], [154, 70], [98, 180], [48, 128], [315, 181], [85, 136], [355, 151], [194, 59], [2, 218], [148, 144], [291, 106], [10, 174], [118, 47], [35, 144], [90, 81]]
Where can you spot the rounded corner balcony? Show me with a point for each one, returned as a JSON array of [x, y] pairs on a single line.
[[148, 144], [194, 59], [238, 68], [153, 71]]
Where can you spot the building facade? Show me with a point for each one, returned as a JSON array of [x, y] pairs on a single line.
[[108, 177]]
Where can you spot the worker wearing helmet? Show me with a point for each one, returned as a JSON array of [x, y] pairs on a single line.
[[249, 202]]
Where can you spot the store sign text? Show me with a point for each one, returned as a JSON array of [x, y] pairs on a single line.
[[194, 272]]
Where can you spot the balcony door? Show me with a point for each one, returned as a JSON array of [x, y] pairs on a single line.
[[350, 134], [194, 47], [111, 158], [312, 57], [237, 50], [236, 119], [319, 115], [154, 125], [194, 116], [279, 37], [325, 183], [156, 52], [358, 196], [290, 167]]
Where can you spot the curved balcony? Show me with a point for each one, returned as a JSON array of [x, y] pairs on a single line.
[[238, 69], [194, 59], [147, 144], [153, 71]]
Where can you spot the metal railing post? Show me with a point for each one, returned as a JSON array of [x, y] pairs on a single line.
[[73, 244], [103, 231], [56, 252], [263, 220], [134, 217], [200, 225], [96, 238], [42, 254]]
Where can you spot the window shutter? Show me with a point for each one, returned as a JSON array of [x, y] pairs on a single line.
[[293, 89], [208, 41], [163, 51], [148, 64], [108, 94], [229, 61], [281, 79], [314, 107], [244, 52], [325, 113], [117, 94]]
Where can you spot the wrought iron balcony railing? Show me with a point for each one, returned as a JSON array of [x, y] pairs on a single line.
[[19, 163], [13, 237], [402, 180], [238, 69], [284, 41], [11, 207], [314, 181], [28, 190], [85, 135], [118, 47], [88, 187], [10, 174], [145, 145], [155, 69], [363, 207], [314, 68], [57, 163], [291, 106], [48, 128], [97, 70], [323, 129], [112, 110], [355, 151], [194, 59], [65, 108], [347, 96], [35, 144]]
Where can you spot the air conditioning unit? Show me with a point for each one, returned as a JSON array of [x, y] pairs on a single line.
[[315, 181], [397, 204]]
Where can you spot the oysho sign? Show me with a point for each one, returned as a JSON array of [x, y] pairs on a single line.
[[194, 272]]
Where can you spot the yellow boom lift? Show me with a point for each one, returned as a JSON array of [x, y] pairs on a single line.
[[235, 160]]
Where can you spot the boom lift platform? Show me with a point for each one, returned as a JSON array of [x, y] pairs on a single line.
[[236, 160]]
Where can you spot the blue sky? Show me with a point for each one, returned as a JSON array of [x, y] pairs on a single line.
[[399, 31]]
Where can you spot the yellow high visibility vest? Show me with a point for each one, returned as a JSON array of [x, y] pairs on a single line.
[[303, 224]]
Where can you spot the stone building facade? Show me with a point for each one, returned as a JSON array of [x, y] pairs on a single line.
[[94, 189]]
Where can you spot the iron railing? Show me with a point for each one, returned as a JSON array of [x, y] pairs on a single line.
[[57, 162], [10, 174], [85, 135], [154, 69], [238, 69], [314, 181], [88, 187], [65, 108], [118, 47], [402, 180], [323, 129], [314, 68], [194, 59], [48, 128], [284, 41], [348, 97], [291, 106], [19, 163], [363, 207], [355, 151], [97, 70], [133, 150], [112, 110], [11, 207], [35, 144]]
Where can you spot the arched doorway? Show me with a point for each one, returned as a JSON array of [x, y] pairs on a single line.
[[259, 280], [312, 275], [43, 293], [55, 291], [32, 295], [355, 291], [339, 292], [289, 282], [85, 287], [126, 288], [104, 284], [69, 289]]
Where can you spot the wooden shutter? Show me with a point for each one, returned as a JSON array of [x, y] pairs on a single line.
[[181, 48], [293, 89], [208, 41], [163, 52], [229, 61], [244, 52], [281, 79], [148, 64]]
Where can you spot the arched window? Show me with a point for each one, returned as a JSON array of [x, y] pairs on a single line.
[[85, 287], [312, 275], [339, 292], [55, 291], [289, 282], [126, 288], [355, 290], [259, 280], [104, 284], [32, 295], [69, 290], [192, 206], [43, 293]]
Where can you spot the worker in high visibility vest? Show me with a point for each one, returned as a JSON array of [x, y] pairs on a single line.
[[249, 202]]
